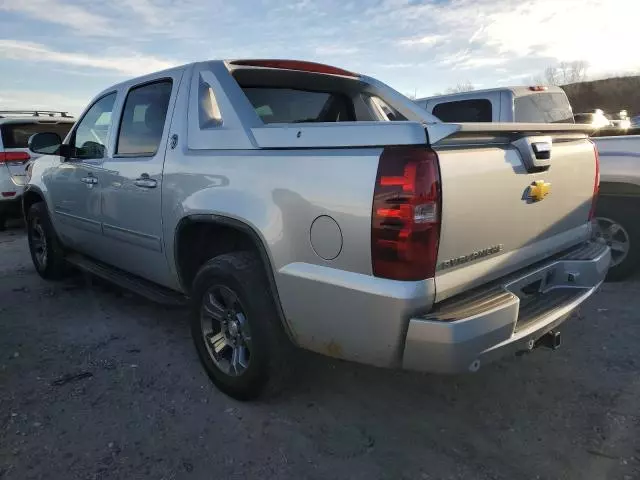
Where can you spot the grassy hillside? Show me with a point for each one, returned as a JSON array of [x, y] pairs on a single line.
[[611, 95]]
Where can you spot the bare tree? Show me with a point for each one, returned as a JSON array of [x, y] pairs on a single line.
[[465, 86], [564, 73]]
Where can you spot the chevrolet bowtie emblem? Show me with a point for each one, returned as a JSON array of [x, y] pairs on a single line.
[[538, 190]]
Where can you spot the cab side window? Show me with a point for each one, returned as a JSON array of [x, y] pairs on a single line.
[[464, 111], [90, 138], [143, 118]]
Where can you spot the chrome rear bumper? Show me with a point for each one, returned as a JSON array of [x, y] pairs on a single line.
[[465, 332]]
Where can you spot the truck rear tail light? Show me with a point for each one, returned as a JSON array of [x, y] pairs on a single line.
[[6, 157], [596, 184], [405, 224]]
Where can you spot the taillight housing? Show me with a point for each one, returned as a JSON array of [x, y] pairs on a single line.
[[6, 157], [405, 224], [596, 184]]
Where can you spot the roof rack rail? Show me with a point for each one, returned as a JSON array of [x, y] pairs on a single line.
[[36, 113]]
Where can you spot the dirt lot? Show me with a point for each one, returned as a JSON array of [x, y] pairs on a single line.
[[99, 384]]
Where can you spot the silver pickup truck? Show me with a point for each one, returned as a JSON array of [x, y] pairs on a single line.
[[280, 201]]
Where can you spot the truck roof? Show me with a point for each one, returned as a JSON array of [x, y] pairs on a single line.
[[519, 90]]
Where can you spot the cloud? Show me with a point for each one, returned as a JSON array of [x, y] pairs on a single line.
[[336, 50], [424, 41], [43, 100], [131, 64], [64, 14]]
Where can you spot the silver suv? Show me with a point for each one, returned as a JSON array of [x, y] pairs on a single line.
[[16, 127]]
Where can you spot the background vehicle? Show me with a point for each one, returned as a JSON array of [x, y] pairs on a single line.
[[595, 119], [534, 104], [278, 197], [16, 127], [618, 209]]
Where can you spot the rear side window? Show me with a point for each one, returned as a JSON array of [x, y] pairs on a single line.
[[478, 110], [16, 135], [543, 108], [143, 118], [287, 105]]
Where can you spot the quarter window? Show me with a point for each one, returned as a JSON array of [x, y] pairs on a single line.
[[90, 138], [143, 118]]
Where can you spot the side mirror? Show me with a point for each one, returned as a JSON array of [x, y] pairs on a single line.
[[46, 143]]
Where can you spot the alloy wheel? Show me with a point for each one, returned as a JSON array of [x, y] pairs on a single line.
[[226, 331], [39, 242], [616, 236]]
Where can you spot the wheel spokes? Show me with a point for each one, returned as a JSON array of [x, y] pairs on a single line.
[[227, 297], [621, 247], [212, 308], [218, 343], [613, 229], [239, 360]]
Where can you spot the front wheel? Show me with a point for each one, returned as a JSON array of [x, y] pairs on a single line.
[[236, 328], [46, 253]]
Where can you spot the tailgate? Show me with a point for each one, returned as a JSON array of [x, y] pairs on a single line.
[[495, 216]]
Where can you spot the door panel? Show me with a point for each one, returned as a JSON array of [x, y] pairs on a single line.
[[131, 191], [74, 185]]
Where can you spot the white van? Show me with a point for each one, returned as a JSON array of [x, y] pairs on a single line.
[[534, 104]]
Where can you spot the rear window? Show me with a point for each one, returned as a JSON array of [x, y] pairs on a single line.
[[478, 110], [16, 135], [543, 108], [287, 105]]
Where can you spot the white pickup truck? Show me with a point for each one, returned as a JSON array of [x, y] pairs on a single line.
[[617, 217], [278, 199]]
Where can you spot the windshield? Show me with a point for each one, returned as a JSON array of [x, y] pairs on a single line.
[[17, 135], [543, 107]]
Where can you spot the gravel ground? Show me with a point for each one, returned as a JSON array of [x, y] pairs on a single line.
[[96, 383]]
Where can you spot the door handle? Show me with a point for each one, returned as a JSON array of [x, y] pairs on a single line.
[[89, 180], [145, 182]]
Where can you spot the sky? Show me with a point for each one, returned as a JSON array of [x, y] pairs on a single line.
[[58, 54]]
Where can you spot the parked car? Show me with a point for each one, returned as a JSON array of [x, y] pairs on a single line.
[[16, 126], [618, 210], [535, 104], [596, 120], [280, 200]]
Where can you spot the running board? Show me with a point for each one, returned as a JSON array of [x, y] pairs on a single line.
[[137, 285]]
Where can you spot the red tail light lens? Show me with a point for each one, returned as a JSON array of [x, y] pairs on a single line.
[[596, 184], [14, 157], [405, 228]]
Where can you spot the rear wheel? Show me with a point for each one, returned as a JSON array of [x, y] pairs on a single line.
[[617, 225], [3, 222], [236, 328], [46, 253]]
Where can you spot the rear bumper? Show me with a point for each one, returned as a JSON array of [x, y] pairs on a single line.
[[468, 331]]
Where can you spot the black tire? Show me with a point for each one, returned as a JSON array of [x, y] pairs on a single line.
[[50, 266], [623, 212], [269, 350], [3, 222]]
